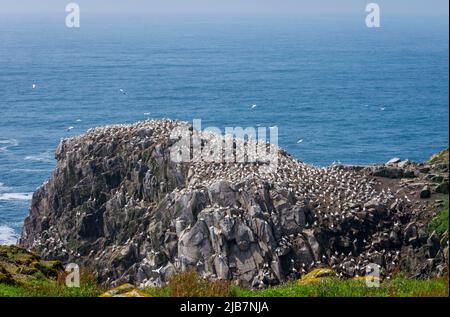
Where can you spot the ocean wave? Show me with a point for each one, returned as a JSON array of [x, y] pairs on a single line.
[[7, 143], [3, 188], [16, 196], [42, 157], [31, 170], [7, 235]]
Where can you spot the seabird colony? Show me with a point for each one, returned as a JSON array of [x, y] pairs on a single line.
[[333, 189], [336, 193]]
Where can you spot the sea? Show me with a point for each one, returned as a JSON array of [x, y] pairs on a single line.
[[337, 90]]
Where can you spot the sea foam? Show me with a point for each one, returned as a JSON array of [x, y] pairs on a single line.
[[7, 235], [41, 157], [16, 196], [3, 188], [7, 143]]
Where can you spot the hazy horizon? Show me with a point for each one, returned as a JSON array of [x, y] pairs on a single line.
[[229, 7]]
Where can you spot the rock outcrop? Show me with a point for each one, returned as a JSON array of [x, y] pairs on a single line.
[[124, 290], [118, 204], [20, 267]]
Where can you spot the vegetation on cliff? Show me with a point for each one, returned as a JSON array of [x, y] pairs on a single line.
[[190, 284], [440, 222], [25, 274]]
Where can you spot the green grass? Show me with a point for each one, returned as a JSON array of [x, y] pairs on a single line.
[[158, 291], [400, 286], [47, 290], [440, 222], [190, 284], [10, 291], [51, 288], [440, 157], [332, 287]]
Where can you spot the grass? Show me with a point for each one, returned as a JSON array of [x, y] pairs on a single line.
[[41, 287], [440, 157], [190, 285], [440, 222], [24, 274], [333, 287]]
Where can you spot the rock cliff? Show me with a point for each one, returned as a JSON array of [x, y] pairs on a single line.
[[118, 204]]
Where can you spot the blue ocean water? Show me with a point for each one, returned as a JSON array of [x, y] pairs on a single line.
[[352, 94]]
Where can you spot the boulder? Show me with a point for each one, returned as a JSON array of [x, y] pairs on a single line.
[[392, 172], [425, 193], [442, 188], [20, 267], [124, 290], [404, 163], [316, 276], [411, 233], [393, 161]]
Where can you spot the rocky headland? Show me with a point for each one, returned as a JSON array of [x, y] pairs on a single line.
[[118, 204]]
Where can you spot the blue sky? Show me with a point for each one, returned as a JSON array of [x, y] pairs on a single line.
[[227, 7]]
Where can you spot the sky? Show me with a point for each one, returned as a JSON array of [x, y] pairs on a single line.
[[227, 7]]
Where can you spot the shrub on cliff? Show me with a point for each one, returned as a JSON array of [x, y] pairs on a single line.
[[191, 284], [24, 273]]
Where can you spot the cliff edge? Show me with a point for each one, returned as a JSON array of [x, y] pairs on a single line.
[[118, 204]]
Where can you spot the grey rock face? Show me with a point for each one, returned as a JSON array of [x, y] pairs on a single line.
[[425, 193], [392, 172], [117, 204], [442, 188]]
